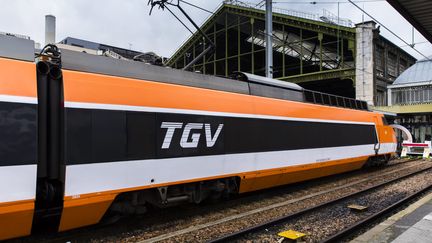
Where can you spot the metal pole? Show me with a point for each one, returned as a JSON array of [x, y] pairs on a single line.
[[338, 38], [269, 39], [253, 46], [285, 39]]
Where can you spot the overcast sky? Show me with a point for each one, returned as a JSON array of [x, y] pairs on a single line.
[[126, 23]]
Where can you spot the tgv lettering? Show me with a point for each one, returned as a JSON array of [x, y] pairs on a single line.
[[185, 142]]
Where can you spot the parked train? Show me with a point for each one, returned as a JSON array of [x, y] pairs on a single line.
[[83, 135]]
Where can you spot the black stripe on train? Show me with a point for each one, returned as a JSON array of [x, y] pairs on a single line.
[[94, 135]]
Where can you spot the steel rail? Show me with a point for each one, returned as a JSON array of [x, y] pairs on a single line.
[[273, 206], [83, 232], [274, 222], [352, 229]]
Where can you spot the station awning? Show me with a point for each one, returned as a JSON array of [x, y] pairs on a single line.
[[418, 13], [405, 109]]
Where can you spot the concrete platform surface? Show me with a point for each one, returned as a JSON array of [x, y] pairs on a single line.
[[421, 232], [413, 224]]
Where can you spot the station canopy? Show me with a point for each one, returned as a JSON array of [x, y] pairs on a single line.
[[418, 13]]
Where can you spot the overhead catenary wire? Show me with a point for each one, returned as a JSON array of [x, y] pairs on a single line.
[[389, 30], [163, 4], [179, 20], [192, 5], [416, 43], [196, 6], [326, 2]]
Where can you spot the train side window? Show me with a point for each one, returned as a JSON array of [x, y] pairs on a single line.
[[333, 100], [326, 99], [341, 101], [353, 104], [347, 103], [318, 98], [309, 96], [384, 120], [109, 141], [78, 136]]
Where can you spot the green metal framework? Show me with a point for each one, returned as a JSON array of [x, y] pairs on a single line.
[[304, 50]]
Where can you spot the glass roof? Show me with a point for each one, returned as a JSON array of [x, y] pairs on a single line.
[[419, 72]]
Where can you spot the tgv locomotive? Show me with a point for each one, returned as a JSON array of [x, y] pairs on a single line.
[[86, 136]]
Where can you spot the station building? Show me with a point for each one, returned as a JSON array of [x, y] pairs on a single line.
[[80, 43], [320, 52], [410, 98]]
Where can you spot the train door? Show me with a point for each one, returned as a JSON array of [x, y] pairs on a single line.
[[18, 136]]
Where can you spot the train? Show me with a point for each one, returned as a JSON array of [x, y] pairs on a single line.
[[85, 136]]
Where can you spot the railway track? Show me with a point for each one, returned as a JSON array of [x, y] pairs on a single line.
[[163, 228], [195, 231], [364, 223], [279, 223]]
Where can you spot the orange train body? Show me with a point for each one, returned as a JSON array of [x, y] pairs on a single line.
[[17, 194], [124, 135]]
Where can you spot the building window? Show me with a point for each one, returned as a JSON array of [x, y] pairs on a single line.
[[392, 65], [412, 95], [402, 65], [381, 99], [379, 60], [72, 44]]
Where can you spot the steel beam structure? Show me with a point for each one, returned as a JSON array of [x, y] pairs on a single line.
[[304, 50], [348, 73]]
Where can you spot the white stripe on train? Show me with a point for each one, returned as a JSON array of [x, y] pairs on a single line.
[[198, 112], [17, 183], [33, 100], [18, 99], [100, 177]]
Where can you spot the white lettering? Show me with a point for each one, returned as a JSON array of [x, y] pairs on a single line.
[[209, 140], [171, 127], [184, 143], [189, 139]]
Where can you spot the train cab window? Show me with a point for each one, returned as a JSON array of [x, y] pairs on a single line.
[[384, 120]]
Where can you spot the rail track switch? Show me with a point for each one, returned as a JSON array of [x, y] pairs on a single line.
[[292, 235], [357, 207]]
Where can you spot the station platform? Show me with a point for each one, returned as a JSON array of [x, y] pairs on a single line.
[[413, 224]]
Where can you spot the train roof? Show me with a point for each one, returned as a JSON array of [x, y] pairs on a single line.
[[264, 80], [246, 83]]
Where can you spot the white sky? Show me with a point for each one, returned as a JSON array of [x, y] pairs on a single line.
[[124, 22]]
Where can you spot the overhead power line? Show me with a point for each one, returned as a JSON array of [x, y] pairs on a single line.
[[195, 6], [393, 33], [179, 20], [416, 43]]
